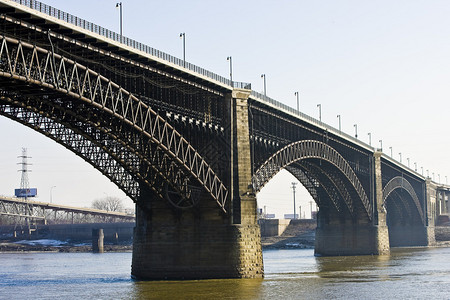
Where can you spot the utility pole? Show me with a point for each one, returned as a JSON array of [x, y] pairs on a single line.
[[293, 191]]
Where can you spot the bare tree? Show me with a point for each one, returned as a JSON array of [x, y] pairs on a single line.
[[109, 203]]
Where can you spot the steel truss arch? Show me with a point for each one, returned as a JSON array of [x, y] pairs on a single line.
[[37, 66], [400, 182], [131, 152], [105, 153], [78, 144], [309, 149], [334, 186], [310, 184], [325, 184]]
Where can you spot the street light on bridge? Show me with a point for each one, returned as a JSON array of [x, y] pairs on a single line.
[[390, 148], [415, 166], [400, 154], [381, 145], [264, 77], [183, 36], [298, 100], [356, 130], [231, 69], [408, 161], [370, 139], [339, 118], [119, 5], [320, 112]]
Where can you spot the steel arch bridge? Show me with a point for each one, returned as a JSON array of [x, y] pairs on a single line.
[[192, 148], [41, 69]]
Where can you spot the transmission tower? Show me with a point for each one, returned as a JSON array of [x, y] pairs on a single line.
[[24, 182], [25, 191]]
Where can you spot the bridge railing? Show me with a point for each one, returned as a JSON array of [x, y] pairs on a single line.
[[74, 20], [264, 98]]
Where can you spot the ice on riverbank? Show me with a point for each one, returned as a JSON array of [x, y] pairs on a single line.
[[42, 242]]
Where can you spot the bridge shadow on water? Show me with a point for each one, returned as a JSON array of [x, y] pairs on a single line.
[[198, 289]]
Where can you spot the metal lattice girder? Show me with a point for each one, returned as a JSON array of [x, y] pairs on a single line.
[[401, 205], [399, 182], [55, 213], [37, 66], [309, 149], [77, 143], [326, 184], [307, 182], [117, 147]]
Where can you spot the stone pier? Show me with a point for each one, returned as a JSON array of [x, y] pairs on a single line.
[[204, 242]]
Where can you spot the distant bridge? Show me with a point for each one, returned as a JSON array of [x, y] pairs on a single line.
[[192, 149], [58, 214]]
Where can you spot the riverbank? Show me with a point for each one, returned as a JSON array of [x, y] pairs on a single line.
[[58, 246], [293, 237]]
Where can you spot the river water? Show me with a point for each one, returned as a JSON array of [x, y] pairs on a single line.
[[407, 273]]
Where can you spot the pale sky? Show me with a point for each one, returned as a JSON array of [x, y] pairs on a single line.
[[384, 65]]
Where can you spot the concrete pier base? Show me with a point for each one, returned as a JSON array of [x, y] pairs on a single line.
[[192, 244], [97, 240], [351, 239]]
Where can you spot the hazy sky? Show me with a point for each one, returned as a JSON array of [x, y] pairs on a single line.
[[383, 65]]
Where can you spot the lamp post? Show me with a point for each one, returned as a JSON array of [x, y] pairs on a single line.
[[310, 206], [264, 78], [298, 100], [415, 166], [439, 178], [408, 161], [51, 189], [381, 145], [400, 154], [422, 170], [370, 139], [231, 69], [293, 191], [300, 212], [119, 5], [320, 112], [356, 130], [183, 36], [339, 118], [390, 148]]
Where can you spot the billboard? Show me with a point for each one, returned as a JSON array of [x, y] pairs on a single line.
[[290, 216], [22, 193]]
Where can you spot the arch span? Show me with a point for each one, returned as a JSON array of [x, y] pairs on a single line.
[[309, 149], [33, 68], [400, 182]]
